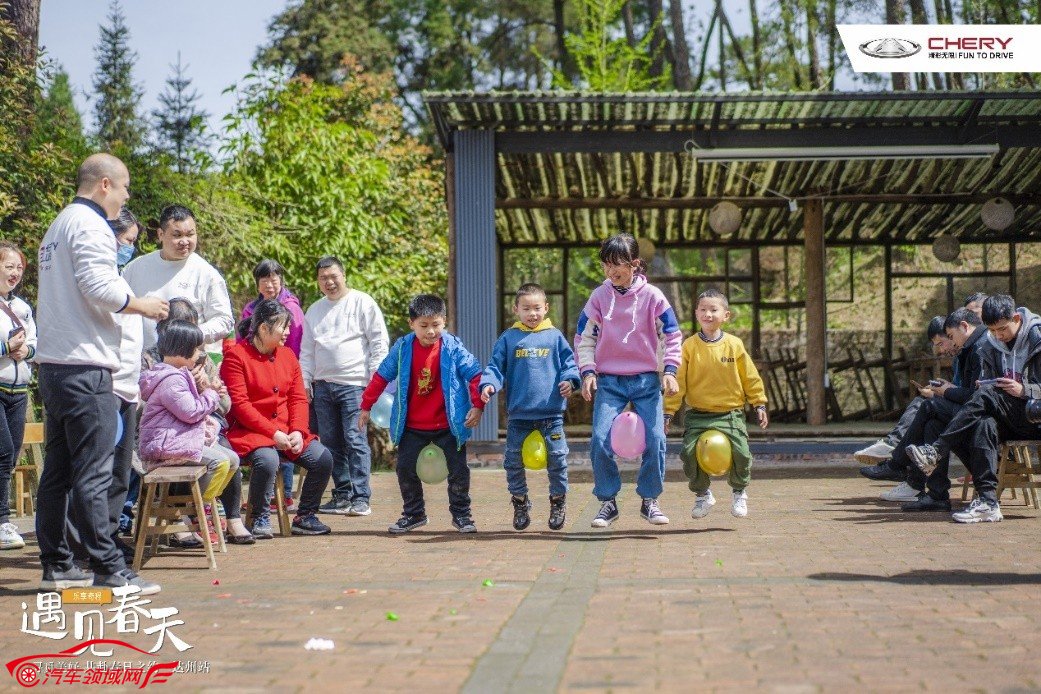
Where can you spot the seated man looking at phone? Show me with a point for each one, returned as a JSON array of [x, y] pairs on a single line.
[[882, 450], [997, 411], [944, 399]]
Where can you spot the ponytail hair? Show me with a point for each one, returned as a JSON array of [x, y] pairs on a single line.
[[267, 312], [622, 249]]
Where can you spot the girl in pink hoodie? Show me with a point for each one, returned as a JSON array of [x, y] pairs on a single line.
[[176, 428], [628, 346]]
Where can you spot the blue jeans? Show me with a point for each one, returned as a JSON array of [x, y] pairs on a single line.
[[613, 393], [337, 408], [12, 430], [552, 430]]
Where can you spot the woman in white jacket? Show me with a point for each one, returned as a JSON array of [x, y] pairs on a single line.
[[17, 349]]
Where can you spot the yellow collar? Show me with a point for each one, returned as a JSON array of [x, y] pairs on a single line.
[[546, 324]]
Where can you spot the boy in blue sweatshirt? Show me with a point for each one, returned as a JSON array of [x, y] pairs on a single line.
[[535, 359]]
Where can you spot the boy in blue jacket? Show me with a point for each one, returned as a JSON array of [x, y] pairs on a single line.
[[436, 401], [535, 359]]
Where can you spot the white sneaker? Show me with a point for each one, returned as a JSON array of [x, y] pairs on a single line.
[[979, 511], [703, 505], [9, 537], [875, 453], [740, 506], [901, 492]]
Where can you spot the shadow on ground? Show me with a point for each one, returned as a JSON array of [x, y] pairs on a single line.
[[928, 577]]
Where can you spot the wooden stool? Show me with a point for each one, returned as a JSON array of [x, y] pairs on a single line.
[[285, 525], [166, 510], [1017, 469], [27, 475]]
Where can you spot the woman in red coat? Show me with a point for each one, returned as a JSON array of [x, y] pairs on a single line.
[[268, 418]]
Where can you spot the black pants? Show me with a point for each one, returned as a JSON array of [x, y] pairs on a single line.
[[12, 431], [931, 419], [974, 435], [231, 497], [897, 433], [119, 484], [316, 459], [412, 442], [77, 471]]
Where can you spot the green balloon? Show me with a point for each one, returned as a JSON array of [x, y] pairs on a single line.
[[431, 465]]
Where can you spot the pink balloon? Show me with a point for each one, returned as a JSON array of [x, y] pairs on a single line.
[[628, 436]]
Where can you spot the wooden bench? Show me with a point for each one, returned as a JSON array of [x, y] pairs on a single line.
[[157, 504], [27, 474], [1017, 469]]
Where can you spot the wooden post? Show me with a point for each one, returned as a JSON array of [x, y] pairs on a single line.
[[816, 312]]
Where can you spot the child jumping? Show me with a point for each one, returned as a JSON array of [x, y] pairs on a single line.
[[617, 343], [436, 401], [176, 427], [716, 379], [537, 363]]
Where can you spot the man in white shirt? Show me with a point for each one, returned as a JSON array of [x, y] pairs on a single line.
[[80, 293], [345, 339], [176, 270]]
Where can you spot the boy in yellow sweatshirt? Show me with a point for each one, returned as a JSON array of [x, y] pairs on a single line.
[[717, 378]]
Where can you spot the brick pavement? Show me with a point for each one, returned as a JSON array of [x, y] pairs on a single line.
[[821, 588]]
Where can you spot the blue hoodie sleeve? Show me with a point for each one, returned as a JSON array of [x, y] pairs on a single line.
[[568, 368], [466, 364], [495, 373]]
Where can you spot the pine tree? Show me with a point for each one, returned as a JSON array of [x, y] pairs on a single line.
[[180, 124], [119, 127], [58, 120]]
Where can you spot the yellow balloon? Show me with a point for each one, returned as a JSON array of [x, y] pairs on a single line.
[[713, 452], [533, 451]]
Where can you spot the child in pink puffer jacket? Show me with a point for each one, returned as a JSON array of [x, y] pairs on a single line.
[[176, 428]]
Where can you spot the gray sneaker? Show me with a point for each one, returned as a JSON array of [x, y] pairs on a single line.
[[126, 577], [359, 507], [261, 529], [59, 579], [340, 505]]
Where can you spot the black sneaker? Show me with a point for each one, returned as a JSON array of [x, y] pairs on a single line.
[[883, 472], [557, 511], [309, 525], [521, 506], [924, 502], [126, 577], [608, 514], [406, 523], [925, 457], [465, 524], [60, 579]]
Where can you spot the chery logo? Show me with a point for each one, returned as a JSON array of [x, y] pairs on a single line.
[[890, 48]]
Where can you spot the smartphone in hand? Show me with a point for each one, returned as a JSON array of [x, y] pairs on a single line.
[[935, 383], [988, 381], [16, 331]]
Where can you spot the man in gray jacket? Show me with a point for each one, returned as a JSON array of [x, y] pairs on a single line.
[[80, 290], [1010, 375]]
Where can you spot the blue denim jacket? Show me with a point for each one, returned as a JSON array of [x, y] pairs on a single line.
[[458, 367]]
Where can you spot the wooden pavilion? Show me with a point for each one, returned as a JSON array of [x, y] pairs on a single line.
[[810, 171]]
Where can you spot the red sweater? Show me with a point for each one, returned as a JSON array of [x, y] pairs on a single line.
[[426, 398], [267, 395]]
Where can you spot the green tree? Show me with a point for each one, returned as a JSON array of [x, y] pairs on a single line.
[[35, 174], [180, 125], [606, 60], [332, 171], [58, 121], [119, 127]]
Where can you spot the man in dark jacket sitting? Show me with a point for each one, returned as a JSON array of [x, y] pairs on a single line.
[[1011, 375]]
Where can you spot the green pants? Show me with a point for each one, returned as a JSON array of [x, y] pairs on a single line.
[[732, 425]]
